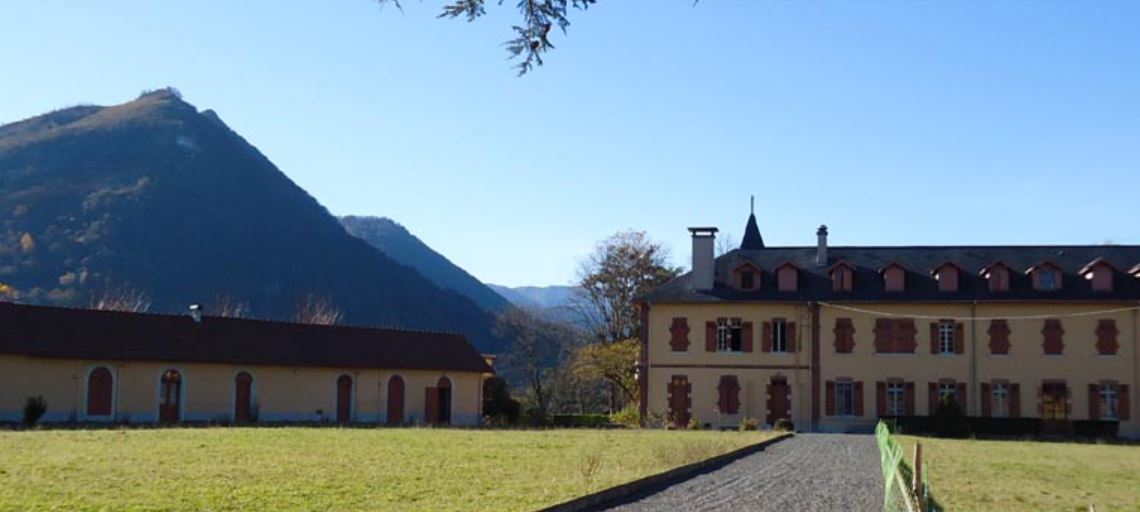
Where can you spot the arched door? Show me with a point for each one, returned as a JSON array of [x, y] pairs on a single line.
[[444, 400], [170, 399], [344, 399], [395, 400], [243, 398], [100, 385]]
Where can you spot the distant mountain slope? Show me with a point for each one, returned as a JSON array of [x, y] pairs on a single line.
[[395, 241], [536, 296], [154, 195]]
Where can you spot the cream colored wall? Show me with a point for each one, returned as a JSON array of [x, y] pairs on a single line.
[[704, 369], [1026, 364], [282, 394]]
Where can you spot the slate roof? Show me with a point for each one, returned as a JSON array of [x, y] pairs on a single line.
[[815, 284], [752, 239], [55, 332]]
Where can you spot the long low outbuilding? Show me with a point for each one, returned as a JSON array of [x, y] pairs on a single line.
[[109, 366]]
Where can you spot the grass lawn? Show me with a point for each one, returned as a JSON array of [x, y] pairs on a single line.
[[1026, 475], [333, 469]]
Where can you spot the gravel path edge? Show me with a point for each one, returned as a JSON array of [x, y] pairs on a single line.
[[601, 499]]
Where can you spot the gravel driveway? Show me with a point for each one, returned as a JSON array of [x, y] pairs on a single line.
[[824, 472]]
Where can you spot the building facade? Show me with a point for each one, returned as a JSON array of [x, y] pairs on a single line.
[[833, 338], [102, 366]]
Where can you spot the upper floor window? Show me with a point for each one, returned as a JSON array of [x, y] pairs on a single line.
[[895, 336], [947, 277], [787, 278], [997, 277], [947, 334], [747, 280], [894, 278], [1100, 274], [729, 335], [1046, 277], [746, 276], [779, 335], [842, 277]]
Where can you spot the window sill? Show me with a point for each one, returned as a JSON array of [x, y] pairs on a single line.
[[896, 354]]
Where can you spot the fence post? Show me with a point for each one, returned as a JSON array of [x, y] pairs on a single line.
[[919, 491]]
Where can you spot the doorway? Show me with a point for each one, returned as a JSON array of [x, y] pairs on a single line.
[[778, 401], [344, 399], [1054, 408], [243, 398], [170, 397]]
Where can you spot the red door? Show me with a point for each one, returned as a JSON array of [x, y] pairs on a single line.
[[680, 400], [99, 387], [777, 399], [395, 400], [170, 403], [344, 399], [243, 399]]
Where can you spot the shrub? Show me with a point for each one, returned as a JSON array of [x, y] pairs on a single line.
[[949, 420], [747, 424], [784, 425], [580, 420], [629, 416], [498, 404], [694, 423], [34, 409]]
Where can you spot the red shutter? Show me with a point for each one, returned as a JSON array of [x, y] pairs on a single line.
[[881, 398], [766, 337], [1094, 402], [431, 406], [962, 398], [710, 336], [793, 344], [746, 344], [829, 400], [734, 396], [932, 397], [1123, 403], [985, 400], [1015, 400], [934, 337], [959, 338], [679, 334], [858, 398], [909, 398]]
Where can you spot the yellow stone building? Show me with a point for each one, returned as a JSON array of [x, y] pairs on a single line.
[[833, 338], [103, 366]]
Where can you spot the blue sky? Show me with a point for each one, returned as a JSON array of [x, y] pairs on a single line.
[[894, 122]]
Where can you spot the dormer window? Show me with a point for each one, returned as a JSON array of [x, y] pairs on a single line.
[[997, 276], [894, 277], [947, 276], [842, 277], [746, 276], [787, 277], [1100, 274], [1046, 276]]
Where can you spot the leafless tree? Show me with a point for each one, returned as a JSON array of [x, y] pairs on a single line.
[[318, 310], [725, 244], [226, 305], [534, 347], [121, 298]]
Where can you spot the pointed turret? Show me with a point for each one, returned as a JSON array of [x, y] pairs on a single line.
[[752, 239]]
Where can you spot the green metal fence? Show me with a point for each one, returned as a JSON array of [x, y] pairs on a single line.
[[900, 492]]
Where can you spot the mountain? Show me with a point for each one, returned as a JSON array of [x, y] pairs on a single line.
[[540, 297], [399, 244], [155, 196]]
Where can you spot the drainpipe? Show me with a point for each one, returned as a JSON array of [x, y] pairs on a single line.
[[974, 405]]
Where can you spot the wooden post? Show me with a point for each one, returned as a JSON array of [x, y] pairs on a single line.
[[919, 491]]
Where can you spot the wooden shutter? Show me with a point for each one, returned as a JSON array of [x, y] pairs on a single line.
[[679, 334], [766, 337], [986, 400], [963, 398], [829, 400], [881, 398], [959, 338], [746, 332], [710, 336], [934, 337], [790, 333], [431, 406], [932, 397], [1123, 403], [1094, 402], [733, 396], [1015, 400], [909, 398], [858, 387]]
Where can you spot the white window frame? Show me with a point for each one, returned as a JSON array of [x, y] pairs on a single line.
[[780, 336], [947, 337], [844, 405], [948, 389], [723, 335], [999, 400], [896, 399], [1109, 401]]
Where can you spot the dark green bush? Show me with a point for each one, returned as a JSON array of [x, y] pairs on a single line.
[[949, 420], [581, 420], [498, 406], [34, 409]]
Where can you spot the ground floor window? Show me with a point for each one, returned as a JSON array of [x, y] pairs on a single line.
[[947, 391], [999, 400], [1108, 401], [845, 398], [896, 399]]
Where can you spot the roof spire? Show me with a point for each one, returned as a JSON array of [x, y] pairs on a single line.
[[752, 239]]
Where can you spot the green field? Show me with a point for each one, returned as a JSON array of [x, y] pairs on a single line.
[[333, 469], [1024, 475]]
